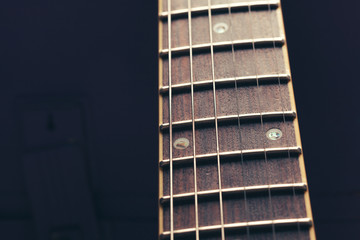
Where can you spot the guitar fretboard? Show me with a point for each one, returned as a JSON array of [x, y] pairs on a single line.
[[231, 163]]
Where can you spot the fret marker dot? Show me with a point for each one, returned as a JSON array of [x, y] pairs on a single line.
[[274, 134], [181, 143], [220, 28]]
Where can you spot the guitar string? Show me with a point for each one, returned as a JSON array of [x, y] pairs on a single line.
[[193, 123], [238, 118], [271, 209], [277, 70], [216, 124], [170, 126]]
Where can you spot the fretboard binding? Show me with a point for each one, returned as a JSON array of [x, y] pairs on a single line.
[[259, 188], [246, 42], [241, 225], [243, 79], [218, 7], [229, 118], [247, 152]]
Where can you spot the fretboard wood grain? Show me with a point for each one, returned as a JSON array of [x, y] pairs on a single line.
[[227, 95]]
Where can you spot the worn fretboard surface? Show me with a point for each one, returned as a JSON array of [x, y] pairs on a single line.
[[231, 164]]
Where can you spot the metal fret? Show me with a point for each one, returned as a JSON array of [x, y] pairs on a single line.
[[241, 225], [225, 81], [262, 151], [229, 118], [218, 7], [259, 188], [279, 41]]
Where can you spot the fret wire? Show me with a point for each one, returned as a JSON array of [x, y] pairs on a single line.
[[262, 125], [216, 123], [238, 120], [193, 125], [243, 80], [230, 118], [224, 44], [275, 60], [247, 152], [256, 188], [239, 225], [170, 129], [218, 7]]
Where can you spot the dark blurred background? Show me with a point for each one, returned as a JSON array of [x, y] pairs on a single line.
[[78, 123]]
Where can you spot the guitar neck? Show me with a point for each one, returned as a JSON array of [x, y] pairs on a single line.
[[231, 163]]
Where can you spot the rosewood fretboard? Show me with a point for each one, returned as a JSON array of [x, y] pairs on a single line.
[[231, 165]]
